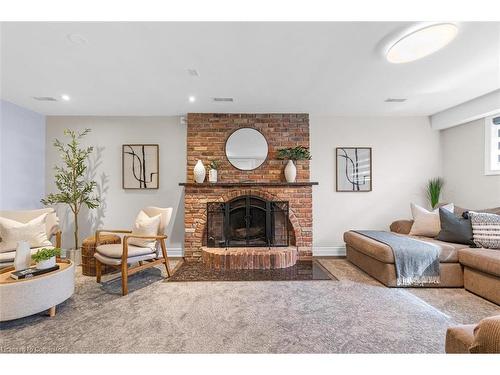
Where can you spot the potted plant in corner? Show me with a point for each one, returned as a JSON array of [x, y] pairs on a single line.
[[212, 172], [434, 187], [45, 258], [74, 188], [293, 154]]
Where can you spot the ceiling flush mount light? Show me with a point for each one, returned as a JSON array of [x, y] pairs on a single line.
[[421, 43], [192, 99], [395, 100], [193, 72], [65, 97]]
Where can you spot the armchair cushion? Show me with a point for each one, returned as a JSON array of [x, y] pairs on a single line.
[[116, 250], [145, 226], [117, 261], [166, 215], [33, 231]]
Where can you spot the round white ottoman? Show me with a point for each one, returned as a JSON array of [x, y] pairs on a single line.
[[20, 298]]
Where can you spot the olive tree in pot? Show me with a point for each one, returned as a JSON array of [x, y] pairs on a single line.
[[70, 179], [293, 154]]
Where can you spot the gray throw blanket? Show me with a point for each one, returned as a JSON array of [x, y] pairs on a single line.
[[417, 262]]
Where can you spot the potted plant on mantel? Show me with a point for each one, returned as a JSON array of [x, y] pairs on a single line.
[[293, 154], [70, 180], [212, 172]]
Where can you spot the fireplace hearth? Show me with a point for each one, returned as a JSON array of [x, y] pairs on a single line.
[[247, 221]]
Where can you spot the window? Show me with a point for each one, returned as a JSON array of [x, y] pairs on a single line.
[[492, 145]]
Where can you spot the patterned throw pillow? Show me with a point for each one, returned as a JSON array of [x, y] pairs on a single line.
[[486, 229]]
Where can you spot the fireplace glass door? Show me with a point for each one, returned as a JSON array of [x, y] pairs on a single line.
[[247, 221]]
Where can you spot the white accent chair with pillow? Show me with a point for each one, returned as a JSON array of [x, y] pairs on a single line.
[[145, 245], [38, 227]]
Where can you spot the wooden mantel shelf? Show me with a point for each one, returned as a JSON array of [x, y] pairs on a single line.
[[250, 183]]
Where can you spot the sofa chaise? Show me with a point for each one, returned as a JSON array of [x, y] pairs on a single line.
[[476, 269]]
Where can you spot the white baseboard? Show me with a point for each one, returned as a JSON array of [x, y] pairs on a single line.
[[175, 252], [328, 251]]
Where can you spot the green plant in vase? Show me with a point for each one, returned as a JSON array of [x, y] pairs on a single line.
[[434, 188], [46, 258], [212, 172], [293, 154]]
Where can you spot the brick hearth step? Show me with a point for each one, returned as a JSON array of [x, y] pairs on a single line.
[[248, 258]]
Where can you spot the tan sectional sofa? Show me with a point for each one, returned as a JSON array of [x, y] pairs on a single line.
[[478, 270]]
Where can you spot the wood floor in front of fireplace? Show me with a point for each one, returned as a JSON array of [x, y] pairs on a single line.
[[301, 271]]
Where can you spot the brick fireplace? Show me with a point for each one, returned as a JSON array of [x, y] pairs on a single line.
[[206, 138]]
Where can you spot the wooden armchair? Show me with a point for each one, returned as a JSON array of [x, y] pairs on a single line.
[[125, 255]]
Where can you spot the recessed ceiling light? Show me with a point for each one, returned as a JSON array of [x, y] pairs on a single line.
[[192, 99], [45, 98], [395, 100], [421, 43], [223, 99], [65, 97], [76, 39]]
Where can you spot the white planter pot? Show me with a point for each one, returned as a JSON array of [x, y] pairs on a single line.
[[290, 171], [43, 264], [22, 259], [75, 255], [212, 175], [199, 172]]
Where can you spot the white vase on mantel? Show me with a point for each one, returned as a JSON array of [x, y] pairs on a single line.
[[212, 176], [290, 171], [199, 172]]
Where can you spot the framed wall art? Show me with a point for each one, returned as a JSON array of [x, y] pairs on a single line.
[[140, 166], [354, 169]]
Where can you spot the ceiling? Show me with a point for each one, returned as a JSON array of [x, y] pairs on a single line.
[[335, 68]]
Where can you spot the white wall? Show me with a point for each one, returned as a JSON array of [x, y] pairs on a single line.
[[22, 157], [119, 207], [463, 168], [405, 155]]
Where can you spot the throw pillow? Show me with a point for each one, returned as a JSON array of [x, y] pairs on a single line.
[[34, 231], [455, 229], [426, 223], [486, 229], [145, 226]]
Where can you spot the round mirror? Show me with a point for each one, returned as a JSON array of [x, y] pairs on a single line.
[[246, 149]]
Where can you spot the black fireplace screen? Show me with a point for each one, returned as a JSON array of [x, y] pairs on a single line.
[[247, 221]]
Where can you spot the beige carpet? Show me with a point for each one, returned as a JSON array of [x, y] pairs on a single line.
[[353, 315]]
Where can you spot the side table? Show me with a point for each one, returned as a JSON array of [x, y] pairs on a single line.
[[88, 250]]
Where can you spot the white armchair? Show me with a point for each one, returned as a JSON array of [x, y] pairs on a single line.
[[24, 216], [124, 255]]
